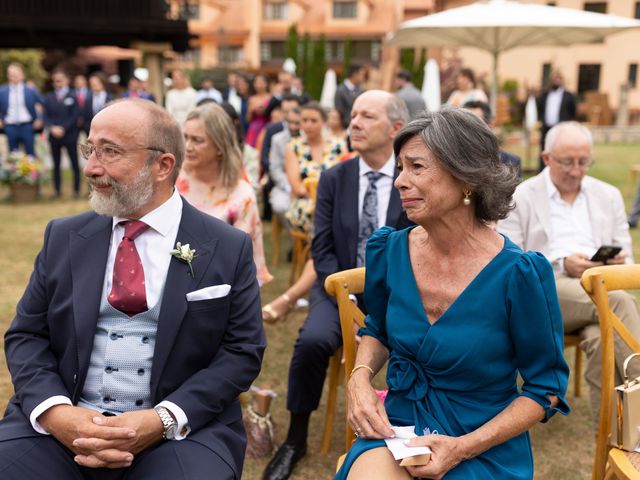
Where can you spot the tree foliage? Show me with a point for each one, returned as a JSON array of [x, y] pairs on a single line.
[[292, 44], [31, 61]]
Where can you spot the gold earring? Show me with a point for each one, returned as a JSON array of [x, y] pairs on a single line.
[[467, 194]]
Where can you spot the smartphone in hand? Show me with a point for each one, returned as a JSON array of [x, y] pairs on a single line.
[[605, 253]]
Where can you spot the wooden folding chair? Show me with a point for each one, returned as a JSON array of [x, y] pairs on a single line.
[[598, 282], [574, 341], [301, 240], [340, 285]]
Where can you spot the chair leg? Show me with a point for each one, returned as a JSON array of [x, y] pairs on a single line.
[[577, 368], [334, 381], [276, 231]]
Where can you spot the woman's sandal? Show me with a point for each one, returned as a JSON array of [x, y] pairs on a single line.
[[270, 315]]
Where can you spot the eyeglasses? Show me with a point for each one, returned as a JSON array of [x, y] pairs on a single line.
[[111, 153], [583, 163]]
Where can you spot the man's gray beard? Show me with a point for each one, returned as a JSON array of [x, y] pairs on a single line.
[[124, 199]]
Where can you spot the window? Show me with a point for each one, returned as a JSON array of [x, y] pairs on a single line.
[[632, 78], [636, 11], [230, 54], [546, 74], [276, 11], [275, 50], [344, 9], [189, 10], [190, 56], [588, 77], [597, 7]]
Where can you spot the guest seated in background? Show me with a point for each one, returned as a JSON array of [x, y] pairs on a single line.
[[211, 177], [452, 305], [466, 91], [354, 199], [567, 216], [482, 110], [335, 125], [409, 93]]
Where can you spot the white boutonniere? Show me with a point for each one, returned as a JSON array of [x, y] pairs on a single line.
[[184, 254]]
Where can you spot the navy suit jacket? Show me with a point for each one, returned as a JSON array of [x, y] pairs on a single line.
[[567, 107], [65, 114], [207, 352], [335, 237], [87, 112], [31, 98]]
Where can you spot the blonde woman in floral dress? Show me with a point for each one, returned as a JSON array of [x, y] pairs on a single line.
[[211, 177]]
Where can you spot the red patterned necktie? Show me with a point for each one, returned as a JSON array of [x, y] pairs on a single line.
[[128, 292]]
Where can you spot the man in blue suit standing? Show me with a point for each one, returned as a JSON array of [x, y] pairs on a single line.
[[348, 194], [127, 358], [61, 116], [18, 114]]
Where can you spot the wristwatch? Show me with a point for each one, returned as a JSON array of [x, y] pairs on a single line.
[[169, 423]]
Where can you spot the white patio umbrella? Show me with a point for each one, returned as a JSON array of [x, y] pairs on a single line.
[[500, 25], [329, 88], [431, 85]]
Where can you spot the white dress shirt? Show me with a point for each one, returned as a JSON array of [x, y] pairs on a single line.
[[552, 107], [98, 99], [153, 246], [383, 185], [17, 110], [570, 225]]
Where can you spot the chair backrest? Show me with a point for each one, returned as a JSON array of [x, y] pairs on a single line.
[[340, 285], [598, 282], [311, 184]]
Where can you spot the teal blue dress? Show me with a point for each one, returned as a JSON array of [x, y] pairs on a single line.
[[459, 373]]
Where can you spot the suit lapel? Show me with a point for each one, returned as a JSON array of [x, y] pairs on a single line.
[[179, 282], [89, 249], [596, 215], [349, 183], [541, 205]]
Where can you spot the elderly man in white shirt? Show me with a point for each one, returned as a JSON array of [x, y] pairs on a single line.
[[567, 216]]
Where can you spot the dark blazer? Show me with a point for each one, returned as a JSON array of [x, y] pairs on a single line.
[[31, 98], [65, 114], [207, 352], [269, 132], [87, 112], [567, 107], [343, 101], [335, 237]]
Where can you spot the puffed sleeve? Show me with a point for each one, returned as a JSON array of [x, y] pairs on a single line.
[[537, 332], [376, 293]]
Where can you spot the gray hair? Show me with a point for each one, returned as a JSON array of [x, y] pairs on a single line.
[[556, 131], [163, 132], [466, 147], [397, 110]]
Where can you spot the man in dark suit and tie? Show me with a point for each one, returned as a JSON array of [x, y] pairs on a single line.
[[348, 91], [18, 114], [127, 358], [61, 116], [555, 105], [97, 98], [354, 198]]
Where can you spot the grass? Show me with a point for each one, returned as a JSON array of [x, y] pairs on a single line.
[[563, 448]]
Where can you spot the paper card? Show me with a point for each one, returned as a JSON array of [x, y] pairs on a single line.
[[397, 447]]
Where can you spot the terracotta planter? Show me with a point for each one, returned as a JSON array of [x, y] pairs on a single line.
[[22, 193]]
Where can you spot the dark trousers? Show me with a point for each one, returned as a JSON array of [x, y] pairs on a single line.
[[21, 133], [72, 151], [43, 457], [319, 338]]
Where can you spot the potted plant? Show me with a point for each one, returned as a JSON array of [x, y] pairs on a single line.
[[23, 174]]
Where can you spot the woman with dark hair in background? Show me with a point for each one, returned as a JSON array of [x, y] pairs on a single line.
[[466, 91], [257, 108]]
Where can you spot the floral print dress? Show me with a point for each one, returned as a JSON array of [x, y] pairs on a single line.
[[237, 207], [300, 214]]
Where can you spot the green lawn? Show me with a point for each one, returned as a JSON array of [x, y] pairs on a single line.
[[563, 448]]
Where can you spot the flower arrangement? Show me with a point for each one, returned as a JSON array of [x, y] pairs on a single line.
[[20, 168]]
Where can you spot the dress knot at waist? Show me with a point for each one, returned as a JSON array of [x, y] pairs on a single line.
[[407, 375]]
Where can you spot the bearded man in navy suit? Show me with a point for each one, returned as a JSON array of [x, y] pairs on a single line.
[[127, 359]]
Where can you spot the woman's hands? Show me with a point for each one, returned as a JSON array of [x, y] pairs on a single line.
[[300, 191], [447, 452], [367, 415]]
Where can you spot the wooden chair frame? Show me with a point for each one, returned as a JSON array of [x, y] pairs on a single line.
[[574, 341], [340, 285], [301, 240], [598, 282]]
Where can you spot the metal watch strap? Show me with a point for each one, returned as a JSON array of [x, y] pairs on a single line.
[[167, 421]]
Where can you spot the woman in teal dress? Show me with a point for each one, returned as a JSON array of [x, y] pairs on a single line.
[[458, 311]]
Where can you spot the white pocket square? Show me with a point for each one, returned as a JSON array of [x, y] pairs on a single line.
[[209, 293]]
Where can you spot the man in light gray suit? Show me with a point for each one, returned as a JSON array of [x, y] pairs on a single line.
[[280, 196], [567, 215], [409, 93]]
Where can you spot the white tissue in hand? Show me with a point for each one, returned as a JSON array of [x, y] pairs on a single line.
[[397, 447]]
